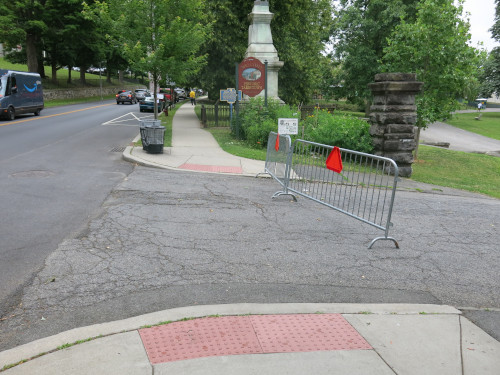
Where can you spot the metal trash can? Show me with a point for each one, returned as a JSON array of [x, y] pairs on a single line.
[[152, 134]]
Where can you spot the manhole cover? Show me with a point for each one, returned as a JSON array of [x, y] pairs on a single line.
[[32, 174]]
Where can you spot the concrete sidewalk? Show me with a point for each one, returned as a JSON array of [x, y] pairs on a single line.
[[194, 149], [359, 339]]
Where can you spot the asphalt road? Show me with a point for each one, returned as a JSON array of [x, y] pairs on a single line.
[[167, 239], [55, 172]]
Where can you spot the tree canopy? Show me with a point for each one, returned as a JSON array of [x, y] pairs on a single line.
[[435, 47], [359, 37], [491, 69]]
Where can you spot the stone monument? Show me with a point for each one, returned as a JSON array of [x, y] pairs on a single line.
[[393, 116], [260, 45]]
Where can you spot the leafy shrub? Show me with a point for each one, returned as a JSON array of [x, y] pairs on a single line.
[[256, 121], [337, 130]]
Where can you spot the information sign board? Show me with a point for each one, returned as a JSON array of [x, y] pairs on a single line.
[[229, 95], [288, 126]]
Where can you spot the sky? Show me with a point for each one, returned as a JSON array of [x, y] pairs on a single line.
[[482, 17]]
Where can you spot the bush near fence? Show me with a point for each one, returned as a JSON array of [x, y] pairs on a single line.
[[255, 121]]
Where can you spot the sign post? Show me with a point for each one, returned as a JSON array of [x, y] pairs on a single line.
[[230, 96]]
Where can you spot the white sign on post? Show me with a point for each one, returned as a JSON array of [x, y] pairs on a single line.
[[288, 126]]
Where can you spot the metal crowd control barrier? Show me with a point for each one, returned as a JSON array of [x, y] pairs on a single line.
[[364, 189]]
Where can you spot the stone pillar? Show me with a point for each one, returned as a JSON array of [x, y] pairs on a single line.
[[393, 116], [260, 45]]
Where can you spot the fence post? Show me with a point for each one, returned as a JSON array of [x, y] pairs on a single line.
[[216, 113], [393, 116], [203, 116]]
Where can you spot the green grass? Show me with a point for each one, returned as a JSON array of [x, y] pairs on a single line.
[[236, 147], [460, 170], [488, 125], [60, 102], [4, 64], [62, 76]]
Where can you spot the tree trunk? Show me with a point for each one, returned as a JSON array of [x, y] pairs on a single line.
[[155, 96], [82, 74], [31, 52], [70, 68], [368, 104], [417, 141], [41, 68], [54, 73]]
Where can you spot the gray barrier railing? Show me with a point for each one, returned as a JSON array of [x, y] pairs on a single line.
[[364, 189]]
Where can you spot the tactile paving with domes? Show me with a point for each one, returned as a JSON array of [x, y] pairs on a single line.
[[306, 333], [256, 334]]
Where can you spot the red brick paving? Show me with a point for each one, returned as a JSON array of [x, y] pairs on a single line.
[[257, 334]]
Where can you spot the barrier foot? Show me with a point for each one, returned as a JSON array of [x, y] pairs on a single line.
[[278, 193], [384, 238], [260, 173]]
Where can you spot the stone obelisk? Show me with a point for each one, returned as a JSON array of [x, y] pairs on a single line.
[[260, 45]]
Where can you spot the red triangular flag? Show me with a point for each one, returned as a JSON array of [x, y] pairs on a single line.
[[334, 160], [277, 144]]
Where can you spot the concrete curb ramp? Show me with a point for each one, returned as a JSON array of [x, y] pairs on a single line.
[[404, 339]]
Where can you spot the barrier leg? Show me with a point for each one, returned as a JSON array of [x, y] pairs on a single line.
[[278, 193], [384, 238]]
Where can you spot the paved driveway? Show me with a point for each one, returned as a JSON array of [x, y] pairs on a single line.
[[460, 140]]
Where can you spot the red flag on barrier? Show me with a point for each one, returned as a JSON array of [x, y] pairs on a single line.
[[277, 144], [334, 160]]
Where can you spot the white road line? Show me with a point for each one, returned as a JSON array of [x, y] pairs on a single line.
[[120, 121]]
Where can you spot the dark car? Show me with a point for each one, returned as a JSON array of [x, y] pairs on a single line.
[[147, 104], [125, 97]]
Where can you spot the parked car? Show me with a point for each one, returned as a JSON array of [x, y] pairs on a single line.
[[147, 104], [124, 96], [181, 94], [141, 94], [168, 95]]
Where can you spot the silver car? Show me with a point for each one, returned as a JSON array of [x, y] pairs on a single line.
[[141, 94]]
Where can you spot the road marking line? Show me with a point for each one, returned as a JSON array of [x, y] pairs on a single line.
[[57, 114], [118, 121]]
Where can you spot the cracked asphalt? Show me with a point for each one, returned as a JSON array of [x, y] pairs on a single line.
[[166, 239]]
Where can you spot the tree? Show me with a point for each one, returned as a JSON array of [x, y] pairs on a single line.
[[22, 24], [108, 15], [165, 38], [67, 31], [491, 73], [301, 29], [435, 47], [359, 37], [226, 44]]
